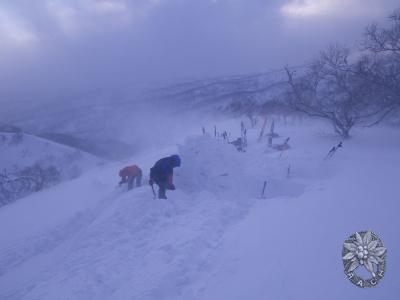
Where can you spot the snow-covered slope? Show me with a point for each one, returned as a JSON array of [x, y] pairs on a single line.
[[18, 153], [215, 237], [29, 163]]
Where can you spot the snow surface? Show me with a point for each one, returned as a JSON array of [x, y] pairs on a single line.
[[215, 237]]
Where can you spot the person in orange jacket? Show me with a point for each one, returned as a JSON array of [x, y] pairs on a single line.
[[128, 175]]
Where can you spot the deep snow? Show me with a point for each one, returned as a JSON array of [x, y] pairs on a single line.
[[214, 238]]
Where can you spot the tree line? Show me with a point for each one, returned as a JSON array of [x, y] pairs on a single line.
[[351, 87]]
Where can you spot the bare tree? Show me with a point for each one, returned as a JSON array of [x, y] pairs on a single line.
[[331, 88], [381, 66], [382, 76], [384, 40]]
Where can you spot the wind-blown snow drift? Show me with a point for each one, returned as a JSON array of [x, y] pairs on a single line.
[[215, 166]]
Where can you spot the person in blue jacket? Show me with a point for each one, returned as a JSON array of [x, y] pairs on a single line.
[[162, 174]]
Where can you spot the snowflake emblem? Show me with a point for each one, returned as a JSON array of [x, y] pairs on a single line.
[[364, 249]]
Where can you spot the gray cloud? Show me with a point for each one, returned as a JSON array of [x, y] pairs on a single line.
[[50, 47]]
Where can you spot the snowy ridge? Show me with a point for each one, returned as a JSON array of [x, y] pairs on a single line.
[[234, 93], [31, 149]]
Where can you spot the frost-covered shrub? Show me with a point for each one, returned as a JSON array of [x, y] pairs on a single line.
[[12, 187], [26, 181], [42, 176], [213, 165]]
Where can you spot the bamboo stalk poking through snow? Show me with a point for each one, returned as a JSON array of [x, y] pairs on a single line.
[[243, 135], [272, 128], [332, 152], [288, 174], [272, 134], [262, 130], [263, 190], [225, 136]]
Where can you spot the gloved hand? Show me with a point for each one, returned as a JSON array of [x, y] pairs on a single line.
[[120, 183], [151, 181], [171, 187]]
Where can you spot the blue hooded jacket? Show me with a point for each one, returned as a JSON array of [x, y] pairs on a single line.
[[164, 168]]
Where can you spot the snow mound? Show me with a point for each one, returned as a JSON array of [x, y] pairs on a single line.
[[213, 165]]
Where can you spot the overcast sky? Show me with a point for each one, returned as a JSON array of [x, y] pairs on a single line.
[[79, 45]]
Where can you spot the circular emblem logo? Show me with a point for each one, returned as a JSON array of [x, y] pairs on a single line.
[[364, 250]]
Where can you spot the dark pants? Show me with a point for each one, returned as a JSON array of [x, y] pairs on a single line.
[[131, 179], [163, 187]]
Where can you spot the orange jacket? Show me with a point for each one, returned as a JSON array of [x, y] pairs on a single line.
[[129, 171]]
